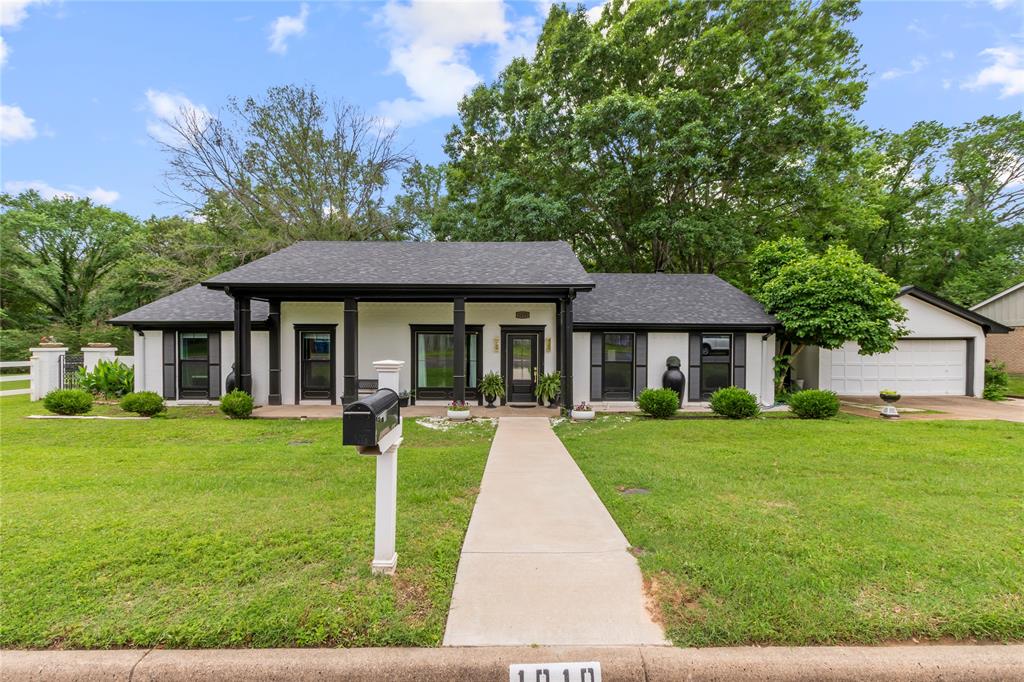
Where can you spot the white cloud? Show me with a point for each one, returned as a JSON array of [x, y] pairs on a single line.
[[948, 55], [916, 65], [429, 44], [1006, 71], [3, 51], [1002, 4], [47, 191], [15, 126], [914, 27], [13, 12], [167, 107], [286, 27]]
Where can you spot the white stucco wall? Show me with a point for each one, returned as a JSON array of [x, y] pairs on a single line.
[[924, 321], [153, 363], [302, 312], [661, 345], [581, 367], [760, 366], [139, 346], [260, 363]]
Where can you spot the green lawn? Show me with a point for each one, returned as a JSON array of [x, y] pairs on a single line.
[[1016, 387], [205, 532], [11, 385], [797, 532]]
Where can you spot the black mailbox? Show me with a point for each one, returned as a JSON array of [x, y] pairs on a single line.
[[367, 421]]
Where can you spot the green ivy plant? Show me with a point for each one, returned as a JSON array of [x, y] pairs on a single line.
[[492, 386], [109, 378], [549, 386]]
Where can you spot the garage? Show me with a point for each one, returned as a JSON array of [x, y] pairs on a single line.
[[915, 367]]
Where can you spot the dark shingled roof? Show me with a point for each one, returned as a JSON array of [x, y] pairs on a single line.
[[195, 304], [661, 299], [381, 264]]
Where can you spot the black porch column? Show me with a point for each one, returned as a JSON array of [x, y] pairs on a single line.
[[350, 353], [459, 348], [566, 333], [274, 324], [243, 344]]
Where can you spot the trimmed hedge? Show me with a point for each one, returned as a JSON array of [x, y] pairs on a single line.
[[68, 401], [814, 404], [237, 404], [146, 403], [735, 403], [660, 403]]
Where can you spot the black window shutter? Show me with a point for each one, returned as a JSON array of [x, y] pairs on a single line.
[[214, 373], [739, 360], [694, 373], [640, 363], [170, 364], [596, 360]]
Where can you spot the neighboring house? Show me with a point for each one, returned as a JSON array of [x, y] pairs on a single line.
[[304, 324], [942, 354], [1006, 308]]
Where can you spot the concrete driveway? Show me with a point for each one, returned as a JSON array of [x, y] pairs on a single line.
[[939, 407]]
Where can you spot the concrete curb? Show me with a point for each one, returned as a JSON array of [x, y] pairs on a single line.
[[642, 664]]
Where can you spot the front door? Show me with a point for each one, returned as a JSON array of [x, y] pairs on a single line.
[[315, 380], [522, 368]]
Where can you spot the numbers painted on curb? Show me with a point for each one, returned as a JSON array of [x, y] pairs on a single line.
[[555, 672]]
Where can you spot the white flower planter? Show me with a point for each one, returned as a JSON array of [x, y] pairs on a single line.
[[458, 415], [583, 415]]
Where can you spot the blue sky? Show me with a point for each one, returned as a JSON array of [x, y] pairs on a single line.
[[84, 85]]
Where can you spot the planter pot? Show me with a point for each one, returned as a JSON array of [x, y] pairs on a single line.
[[403, 402], [583, 415], [553, 403], [51, 345], [458, 415], [490, 401], [889, 398]]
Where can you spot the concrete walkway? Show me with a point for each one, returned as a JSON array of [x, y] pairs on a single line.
[[939, 408], [543, 562]]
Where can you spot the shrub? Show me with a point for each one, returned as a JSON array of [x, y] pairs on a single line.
[[735, 403], [68, 401], [109, 378], [660, 403], [237, 404], [492, 385], [145, 403], [997, 381], [814, 404]]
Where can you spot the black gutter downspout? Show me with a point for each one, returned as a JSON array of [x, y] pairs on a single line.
[[350, 353], [459, 348], [274, 326], [243, 343]]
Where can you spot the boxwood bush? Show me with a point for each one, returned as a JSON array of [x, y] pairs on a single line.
[[146, 403], [660, 403], [814, 404], [237, 404], [735, 403], [68, 401]]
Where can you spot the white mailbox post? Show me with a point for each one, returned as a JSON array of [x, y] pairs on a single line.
[[385, 556]]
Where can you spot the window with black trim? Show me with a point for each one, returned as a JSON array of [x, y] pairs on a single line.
[[435, 363], [194, 364], [715, 363], [618, 356]]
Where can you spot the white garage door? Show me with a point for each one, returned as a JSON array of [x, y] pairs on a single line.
[[916, 367]]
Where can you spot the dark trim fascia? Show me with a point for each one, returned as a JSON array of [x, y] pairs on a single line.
[[628, 326], [482, 291], [989, 326], [261, 326]]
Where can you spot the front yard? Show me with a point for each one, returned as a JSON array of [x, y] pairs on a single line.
[[1016, 386], [790, 532], [205, 532]]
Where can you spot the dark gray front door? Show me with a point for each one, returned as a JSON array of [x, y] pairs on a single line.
[[316, 365], [522, 368]]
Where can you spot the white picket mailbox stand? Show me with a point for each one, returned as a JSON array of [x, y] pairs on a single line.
[[385, 556]]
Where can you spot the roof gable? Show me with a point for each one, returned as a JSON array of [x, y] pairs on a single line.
[[196, 304], [989, 326], [1002, 294], [412, 264]]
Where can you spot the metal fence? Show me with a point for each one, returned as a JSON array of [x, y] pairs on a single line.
[[69, 365]]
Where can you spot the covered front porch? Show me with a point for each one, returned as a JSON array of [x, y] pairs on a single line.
[[334, 411], [317, 352]]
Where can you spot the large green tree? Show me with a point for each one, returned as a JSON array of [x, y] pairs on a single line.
[[665, 135], [57, 254]]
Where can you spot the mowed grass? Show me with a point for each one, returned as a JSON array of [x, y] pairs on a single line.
[[852, 530], [199, 531], [11, 385], [1016, 385]]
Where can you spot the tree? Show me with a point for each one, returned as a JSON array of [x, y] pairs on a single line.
[[59, 251], [283, 168], [421, 203], [665, 135], [826, 299]]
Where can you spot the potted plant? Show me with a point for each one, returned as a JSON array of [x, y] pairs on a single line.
[[582, 412], [403, 399], [458, 410], [548, 388], [492, 386], [889, 395]]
